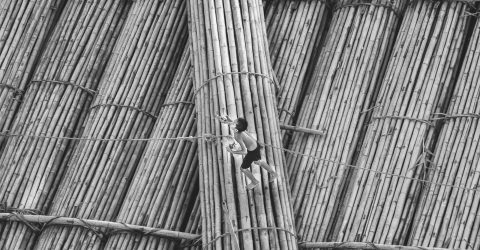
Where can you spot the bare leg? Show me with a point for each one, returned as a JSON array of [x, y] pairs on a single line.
[[251, 177], [267, 167]]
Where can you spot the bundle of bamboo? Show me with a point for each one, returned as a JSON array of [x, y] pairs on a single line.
[[232, 69], [448, 217], [295, 33], [379, 207], [349, 71], [131, 92], [54, 106], [194, 226], [24, 27], [165, 185]]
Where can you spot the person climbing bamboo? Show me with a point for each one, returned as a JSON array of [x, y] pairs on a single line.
[[248, 147]]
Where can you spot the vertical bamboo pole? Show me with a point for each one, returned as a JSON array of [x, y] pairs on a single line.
[[24, 28], [131, 92], [165, 185], [229, 36], [295, 30], [55, 103], [448, 217], [347, 74], [379, 208]]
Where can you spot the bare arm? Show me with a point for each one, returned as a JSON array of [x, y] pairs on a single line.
[[238, 138]]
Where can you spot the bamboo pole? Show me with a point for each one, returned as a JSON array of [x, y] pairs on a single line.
[[448, 217], [96, 225], [362, 245], [165, 185], [24, 28], [55, 105], [348, 74], [295, 30], [229, 36], [419, 76], [129, 98]]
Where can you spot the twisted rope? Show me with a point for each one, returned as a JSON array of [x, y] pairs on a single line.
[[403, 118], [89, 91], [234, 73], [124, 106], [16, 90], [389, 7]]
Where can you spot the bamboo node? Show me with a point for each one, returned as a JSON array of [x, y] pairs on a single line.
[[89, 91], [124, 106], [236, 73], [403, 118], [390, 7], [249, 229]]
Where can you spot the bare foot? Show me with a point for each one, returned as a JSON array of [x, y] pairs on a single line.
[[252, 185]]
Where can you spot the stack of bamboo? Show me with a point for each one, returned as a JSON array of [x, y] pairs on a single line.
[[229, 36], [348, 72], [55, 103], [24, 27], [130, 94], [165, 184], [449, 217], [295, 31], [379, 207]]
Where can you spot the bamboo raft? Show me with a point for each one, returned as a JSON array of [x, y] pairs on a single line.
[[447, 216], [55, 104], [230, 37], [165, 185], [348, 74], [295, 30], [129, 98], [379, 208], [24, 28]]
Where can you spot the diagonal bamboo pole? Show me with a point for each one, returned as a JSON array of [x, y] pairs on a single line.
[[229, 36], [54, 105], [418, 79], [24, 28], [131, 92], [348, 74], [447, 217]]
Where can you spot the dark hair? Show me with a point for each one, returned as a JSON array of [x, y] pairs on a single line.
[[242, 124]]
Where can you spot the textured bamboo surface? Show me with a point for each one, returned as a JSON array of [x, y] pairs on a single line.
[[347, 76], [295, 30], [165, 185], [230, 36], [379, 208], [449, 217], [24, 28], [130, 95], [55, 104]]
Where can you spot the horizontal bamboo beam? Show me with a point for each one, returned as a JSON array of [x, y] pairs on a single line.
[[68, 221], [301, 129], [362, 245]]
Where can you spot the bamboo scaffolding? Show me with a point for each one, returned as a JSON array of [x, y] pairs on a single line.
[[165, 184], [419, 75], [449, 217], [229, 36], [348, 74], [130, 95], [295, 30], [55, 104], [24, 27]]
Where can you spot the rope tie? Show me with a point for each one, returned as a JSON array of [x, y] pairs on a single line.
[[454, 116], [235, 73], [67, 83], [403, 118], [178, 103], [389, 7], [16, 91], [123, 106]]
